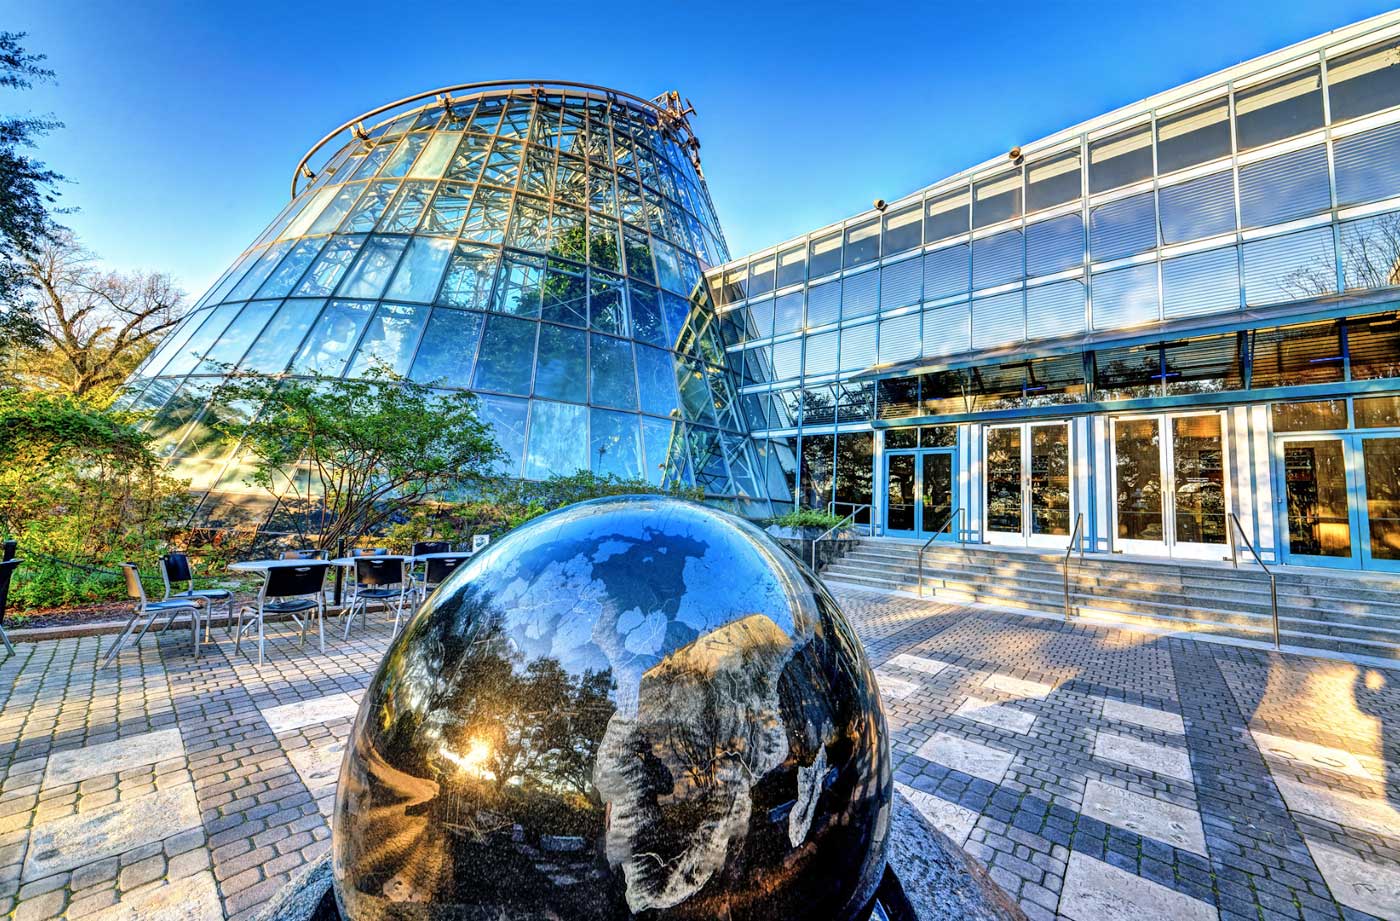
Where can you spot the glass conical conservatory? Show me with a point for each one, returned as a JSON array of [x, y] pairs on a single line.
[[542, 246]]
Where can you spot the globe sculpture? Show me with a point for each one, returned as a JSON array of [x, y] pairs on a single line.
[[631, 707]]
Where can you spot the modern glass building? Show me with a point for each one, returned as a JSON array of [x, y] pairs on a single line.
[[540, 244], [1181, 310]]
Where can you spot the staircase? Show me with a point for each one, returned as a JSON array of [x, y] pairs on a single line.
[[1329, 611]]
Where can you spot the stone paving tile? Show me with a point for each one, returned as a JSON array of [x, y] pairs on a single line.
[[109, 830], [79, 764], [1281, 837], [892, 688], [195, 898], [1148, 756]]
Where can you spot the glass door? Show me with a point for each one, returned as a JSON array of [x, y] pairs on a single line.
[[1380, 479], [919, 494], [1169, 486], [1319, 521], [1028, 484]]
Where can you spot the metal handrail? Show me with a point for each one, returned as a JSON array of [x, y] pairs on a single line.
[[840, 524], [1069, 551], [955, 513], [1273, 578]]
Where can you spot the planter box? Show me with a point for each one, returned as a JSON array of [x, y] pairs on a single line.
[[798, 542]]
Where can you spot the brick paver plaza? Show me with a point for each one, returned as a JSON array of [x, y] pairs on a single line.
[[1098, 773]]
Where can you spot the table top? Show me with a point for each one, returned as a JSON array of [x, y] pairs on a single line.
[[442, 555], [264, 565], [346, 561]]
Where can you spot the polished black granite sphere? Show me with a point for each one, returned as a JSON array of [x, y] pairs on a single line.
[[631, 707]]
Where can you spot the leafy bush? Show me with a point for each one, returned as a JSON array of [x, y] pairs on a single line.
[[80, 491], [807, 518]]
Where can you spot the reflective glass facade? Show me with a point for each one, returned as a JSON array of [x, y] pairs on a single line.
[[541, 246], [1139, 289]]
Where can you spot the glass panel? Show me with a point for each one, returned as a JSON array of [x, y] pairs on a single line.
[[1291, 267], [1125, 297], [421, 270], [1279, 108], [938, 436], [761, 272], [333, 338], [1315, 486], [1377, 412], [656, 375], [946, 272], [449, 345], [507, 356], [945, 215], [1373, 346], [903, 229], [1209, 364], [792, 267], [1201, 283], [1004, 480], [226, 351], [825, 255], [280, 283], [321, 279], [616, 445], [666, 461], [562, 364], [614, 378], [863, 243], [1381, 458], [996, 199], [897, 397], [279, 341], [1055, 245], [558, 437], [1371, 252], [469, 277], [817, 470], [1198, 479], [1197, 208], [902, 438], [376, 263], [899, 490], [1120, 159], [1138, 478], [1309, 353], [855, 454], [1195, 135], [1123, 227], [938, 490], [1364, 81], [1050, 479], [1052, 181], [390, 340], [787, 313], [1315, 416], [997, 259], [1129, 372], [1282, 188]]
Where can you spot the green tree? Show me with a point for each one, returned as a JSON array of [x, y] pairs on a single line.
[[26, 189], [354, 453]]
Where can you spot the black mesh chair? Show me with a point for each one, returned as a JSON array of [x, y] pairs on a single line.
[[293, 590], [437, 571], [151, 610], [175, 571], [379, 580], [431, 546], [7, 569], [368, 551], [305, 554]]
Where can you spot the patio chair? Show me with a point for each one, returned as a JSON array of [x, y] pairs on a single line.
[[378, 580], [150, 610], [368, 551], [437, 571], [7, 569], [430, 546], [175, 570], [291, 590], [305, 554]]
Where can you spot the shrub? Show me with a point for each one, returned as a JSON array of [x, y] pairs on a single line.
[[807, 518]]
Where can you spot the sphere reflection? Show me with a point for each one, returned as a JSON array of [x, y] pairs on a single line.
[[632, 706]]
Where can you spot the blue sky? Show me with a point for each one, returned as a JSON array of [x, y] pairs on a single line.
[[184, 120]]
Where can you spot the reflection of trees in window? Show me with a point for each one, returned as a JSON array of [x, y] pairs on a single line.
[[1370, 259]]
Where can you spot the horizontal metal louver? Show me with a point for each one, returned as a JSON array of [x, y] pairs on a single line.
[[1055, 245], [946, 272], [821, 354], [1283, 188], [760, 318], [858, 347], [947, 330], [997, 259], [1290, 268], [998, 320], [1123, 227], [1055, 309], [899, 338], [901, 284], [1368, 166], [787, 313], [1199, 208], [787, 359], [823, 304], [1371, 252], [1126, 297], [859, 294], [1201, 283]]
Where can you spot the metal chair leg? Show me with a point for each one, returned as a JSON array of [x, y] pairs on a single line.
[[121, 638], [321, 622], [262, 617], [238, 638], [4, 637]]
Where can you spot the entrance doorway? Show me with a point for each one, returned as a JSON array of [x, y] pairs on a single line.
[[1340, 498], [1169, 485], [1028, 484], [919, 494]]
